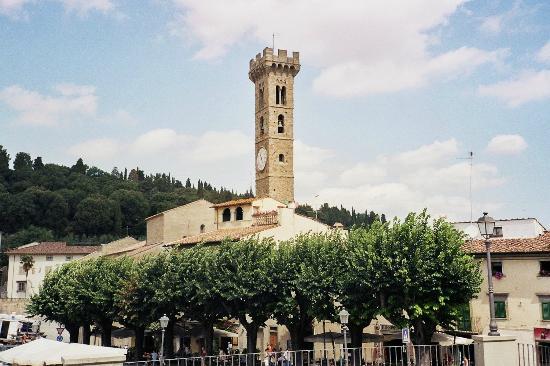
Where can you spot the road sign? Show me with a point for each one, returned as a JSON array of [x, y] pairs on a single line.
[[59, 338], [405, 335]]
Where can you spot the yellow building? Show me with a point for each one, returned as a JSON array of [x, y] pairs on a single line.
[[521, 280]]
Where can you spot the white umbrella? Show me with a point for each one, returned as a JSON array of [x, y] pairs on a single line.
[[445, 339], [47, 352]]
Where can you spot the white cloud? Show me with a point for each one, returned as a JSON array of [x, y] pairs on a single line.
[[543, 55], [35, 108], [96, 150], [526, 87], [12, 7], [492, 24], [15, 8], [361, 47], [220, 157], [506, 144], [427, 176]]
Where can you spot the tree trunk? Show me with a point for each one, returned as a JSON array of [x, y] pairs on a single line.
[[73, 330], [208, 327], [140, 336], [251, 341], [86, 334], [106, 329], [356, 337], [169, 340]]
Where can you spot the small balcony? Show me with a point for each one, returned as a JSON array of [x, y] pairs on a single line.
[[265, 218]]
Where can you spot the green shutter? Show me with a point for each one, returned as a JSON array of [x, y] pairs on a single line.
[[500, 309], [546, 311]]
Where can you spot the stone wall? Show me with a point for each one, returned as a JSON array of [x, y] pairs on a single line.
[[8, 306]]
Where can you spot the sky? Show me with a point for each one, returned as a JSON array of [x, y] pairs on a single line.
[[390, 99]]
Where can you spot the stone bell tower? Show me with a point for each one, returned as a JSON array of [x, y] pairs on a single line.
[[273, 77]]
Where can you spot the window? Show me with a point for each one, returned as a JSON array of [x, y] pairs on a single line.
[[239, 214], [69, 258], [496, 268], [277, 94], [281, 124], [262, 128], [261, 97], [544, 268], [283, 95], [500, 307], [281, 158], [497, 232], [226, 215], [545, 308], [21, 286], [202, 228], [464, 321], [49, 258]]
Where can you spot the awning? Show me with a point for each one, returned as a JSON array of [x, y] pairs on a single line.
[[449, 340], [47, 352], [338, 338]]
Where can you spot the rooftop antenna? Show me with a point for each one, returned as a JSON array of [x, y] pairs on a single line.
[[470, 157]]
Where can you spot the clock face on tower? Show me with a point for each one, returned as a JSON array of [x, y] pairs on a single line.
[[261, 159]]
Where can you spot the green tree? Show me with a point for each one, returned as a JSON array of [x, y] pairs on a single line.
[[250, 298], [426, 277], [359, 281], [134, 208], [99, 281], [96, 215], [27, 261], [37, 163], [306, 289], [79, 167], [4, 162]]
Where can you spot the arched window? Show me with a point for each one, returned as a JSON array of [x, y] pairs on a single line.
[[281, 124], [283, 95], [239, 214], [262, 128], [202, 228], [277, 94], [281, 158], [226, 216]]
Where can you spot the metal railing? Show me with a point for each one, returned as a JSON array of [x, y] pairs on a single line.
[[533, 355], [406, 355]]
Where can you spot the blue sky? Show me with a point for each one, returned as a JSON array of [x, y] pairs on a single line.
[[390, 96]]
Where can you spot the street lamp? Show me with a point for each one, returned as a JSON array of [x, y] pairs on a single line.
[[344, 317], [486, 225], [163, 324]]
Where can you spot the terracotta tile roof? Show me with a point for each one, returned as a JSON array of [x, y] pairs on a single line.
[[217, 236], [54, 248], [539, 244], [240, 201]]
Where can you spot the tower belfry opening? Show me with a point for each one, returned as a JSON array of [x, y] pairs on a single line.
[[273, 77]]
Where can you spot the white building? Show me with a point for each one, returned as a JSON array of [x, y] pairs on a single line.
[[505, 228], [46, 256]]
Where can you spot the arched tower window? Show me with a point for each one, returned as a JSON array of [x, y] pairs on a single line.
[[277, 94], [202, 228], [262, 128], [281, 158], [226, 215], [283, 95], [281, 124], [239, 214]]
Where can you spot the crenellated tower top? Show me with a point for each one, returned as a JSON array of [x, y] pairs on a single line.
[[267, 61]]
